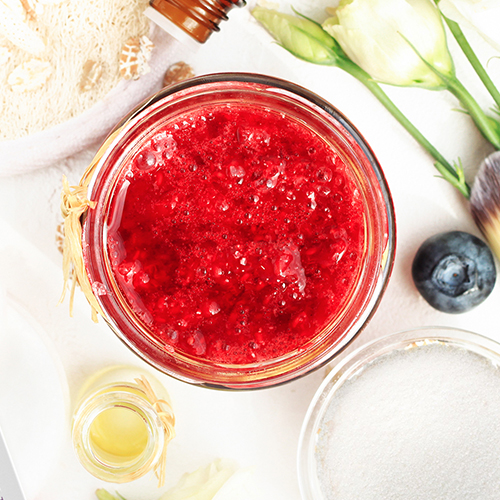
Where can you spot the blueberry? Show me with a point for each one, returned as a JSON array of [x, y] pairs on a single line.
[[454, 271]]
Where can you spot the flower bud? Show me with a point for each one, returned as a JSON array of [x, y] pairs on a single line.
[[300, 36]]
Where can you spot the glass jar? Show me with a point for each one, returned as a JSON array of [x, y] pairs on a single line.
[[122, 424], [197, 19], [309, 114]]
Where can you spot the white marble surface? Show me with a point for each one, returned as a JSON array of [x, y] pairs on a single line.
[[257, 429]]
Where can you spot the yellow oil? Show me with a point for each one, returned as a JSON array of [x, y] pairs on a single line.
[[118, 435]]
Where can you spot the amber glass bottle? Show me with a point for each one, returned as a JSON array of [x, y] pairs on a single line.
[[197, 18]]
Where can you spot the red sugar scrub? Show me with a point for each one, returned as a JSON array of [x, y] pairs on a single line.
[[235, 234], [242, 234]]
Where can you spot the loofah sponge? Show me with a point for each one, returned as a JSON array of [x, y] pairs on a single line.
[[49, 53], [62, 74]]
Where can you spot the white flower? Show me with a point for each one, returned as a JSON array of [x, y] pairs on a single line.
[[204, 483], [220, 480], [378, 35], [482, 15]]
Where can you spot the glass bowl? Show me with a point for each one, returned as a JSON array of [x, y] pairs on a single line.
[[356, 382], [279, 100]]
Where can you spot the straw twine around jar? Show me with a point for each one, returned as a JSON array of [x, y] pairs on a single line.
[[74, 205]]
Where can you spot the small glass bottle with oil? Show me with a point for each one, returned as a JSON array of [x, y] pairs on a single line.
[[122, 425]]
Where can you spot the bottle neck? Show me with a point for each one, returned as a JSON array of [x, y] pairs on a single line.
[[122, 423], [118, 435], [198, 18]]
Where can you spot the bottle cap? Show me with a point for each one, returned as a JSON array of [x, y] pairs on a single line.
[[164, 23]]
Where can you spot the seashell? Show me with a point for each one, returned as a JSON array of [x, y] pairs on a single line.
[[135, 56], [91, 73], [30, 75], [147, 47], [16, 30], [177, 72], [129, 58], [5, 55]]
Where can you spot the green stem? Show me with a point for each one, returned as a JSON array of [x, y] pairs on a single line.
[[448, 171], [487, 125], [471, 56]]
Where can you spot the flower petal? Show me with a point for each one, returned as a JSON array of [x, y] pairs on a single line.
[[389, 38]]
